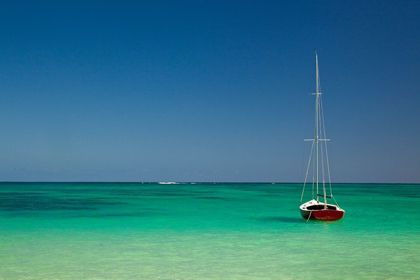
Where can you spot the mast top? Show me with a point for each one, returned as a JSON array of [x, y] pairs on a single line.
[[317, 74]]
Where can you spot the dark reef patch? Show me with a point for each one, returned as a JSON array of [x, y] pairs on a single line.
[[10, 202]]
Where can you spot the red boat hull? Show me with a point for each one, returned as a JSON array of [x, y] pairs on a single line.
[[328, 215], [323, 215]]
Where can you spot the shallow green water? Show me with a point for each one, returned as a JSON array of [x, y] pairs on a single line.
[[204, 231]]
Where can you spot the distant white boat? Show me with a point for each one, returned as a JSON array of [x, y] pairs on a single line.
[[167, 183], [315, 209]]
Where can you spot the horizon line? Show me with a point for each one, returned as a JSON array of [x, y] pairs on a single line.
[[197, 182]]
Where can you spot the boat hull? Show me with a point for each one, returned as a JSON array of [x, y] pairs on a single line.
[[313, 210], [323, 215]]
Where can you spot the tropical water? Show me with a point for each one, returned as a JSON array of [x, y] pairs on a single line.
[[205, 231]]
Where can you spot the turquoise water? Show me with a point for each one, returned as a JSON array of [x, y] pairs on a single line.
[[205, 231]]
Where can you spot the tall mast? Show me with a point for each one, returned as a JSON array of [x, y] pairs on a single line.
[[316, 123], [317, 108]]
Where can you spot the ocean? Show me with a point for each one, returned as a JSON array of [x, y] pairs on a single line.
[[205, 231]]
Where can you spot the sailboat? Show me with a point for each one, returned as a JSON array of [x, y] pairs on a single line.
[[318, 207]]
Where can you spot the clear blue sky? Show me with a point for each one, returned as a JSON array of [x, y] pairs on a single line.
[[207, 90]]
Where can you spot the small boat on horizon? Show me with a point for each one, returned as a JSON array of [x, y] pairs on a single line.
[[315, 209]]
